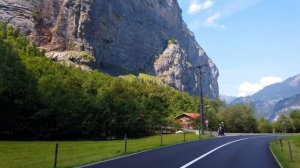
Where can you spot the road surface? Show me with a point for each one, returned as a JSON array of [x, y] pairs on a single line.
[[220, 152]]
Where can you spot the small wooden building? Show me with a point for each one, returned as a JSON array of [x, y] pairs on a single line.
[[187, 120]]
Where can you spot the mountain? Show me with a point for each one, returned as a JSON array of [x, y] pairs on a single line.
[[116, 37], [286, 105], [41, 99], [276, 98], [227, 99], [285, 89]]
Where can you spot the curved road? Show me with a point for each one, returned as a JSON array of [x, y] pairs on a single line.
[[231, 152]]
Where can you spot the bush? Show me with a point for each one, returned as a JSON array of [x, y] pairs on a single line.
[[172, 41]]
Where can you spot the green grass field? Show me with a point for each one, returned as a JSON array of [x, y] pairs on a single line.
[[31, 154], [284, 156]]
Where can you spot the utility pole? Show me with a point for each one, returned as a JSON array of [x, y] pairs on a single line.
[[201, 131]]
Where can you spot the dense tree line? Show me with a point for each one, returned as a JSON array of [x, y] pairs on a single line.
[[242, 118], [238, 118], [41, 99], [288, 123]]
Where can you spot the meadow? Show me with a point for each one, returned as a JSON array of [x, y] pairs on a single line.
[[283, 155], [29, 154]]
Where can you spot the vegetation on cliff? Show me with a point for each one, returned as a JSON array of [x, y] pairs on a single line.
[[42, 99]]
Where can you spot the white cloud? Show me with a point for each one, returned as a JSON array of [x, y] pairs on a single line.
[[208, 4], [196, 6], [248, 88], [211, 21]]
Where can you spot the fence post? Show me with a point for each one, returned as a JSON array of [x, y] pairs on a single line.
[[125, 141], [280, 140], [290, 151], [183, 136], [55, 156], [161, 138]]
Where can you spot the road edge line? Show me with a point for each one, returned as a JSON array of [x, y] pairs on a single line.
[[211, 151], [136, 153], [275, 156]]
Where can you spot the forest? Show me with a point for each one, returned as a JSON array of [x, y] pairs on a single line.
[[43, 100]]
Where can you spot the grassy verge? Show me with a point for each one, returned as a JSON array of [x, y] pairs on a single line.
[[40, 154], [283, 156]]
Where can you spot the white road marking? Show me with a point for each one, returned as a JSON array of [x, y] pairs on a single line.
[[202, 156]]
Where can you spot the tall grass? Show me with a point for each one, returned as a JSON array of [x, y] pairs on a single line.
[[29, 154], [283, 156]]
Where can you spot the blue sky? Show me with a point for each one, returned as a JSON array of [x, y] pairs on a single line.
[[254, 43]]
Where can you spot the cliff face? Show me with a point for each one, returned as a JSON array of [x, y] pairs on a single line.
[[117, 37]]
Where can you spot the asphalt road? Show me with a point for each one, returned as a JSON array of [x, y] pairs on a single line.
[[219, 152]]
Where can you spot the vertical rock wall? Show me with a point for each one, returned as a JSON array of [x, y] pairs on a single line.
[[122, 36]]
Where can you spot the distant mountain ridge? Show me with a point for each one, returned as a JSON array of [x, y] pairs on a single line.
[[275, 98], [227, 99], [285, 89], [288, 104]]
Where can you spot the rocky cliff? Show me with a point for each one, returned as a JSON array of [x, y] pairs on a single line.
[[116, 36]]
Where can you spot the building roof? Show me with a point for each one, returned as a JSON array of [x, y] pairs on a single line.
[[191, 115]]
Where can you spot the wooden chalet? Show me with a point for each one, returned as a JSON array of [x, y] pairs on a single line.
[[187, 120]]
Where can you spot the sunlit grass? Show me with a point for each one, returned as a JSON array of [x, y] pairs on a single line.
[[29, 154], [283, 156]]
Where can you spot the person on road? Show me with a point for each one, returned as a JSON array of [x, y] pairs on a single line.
[[221, 129]]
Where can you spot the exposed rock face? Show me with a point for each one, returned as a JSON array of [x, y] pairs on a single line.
[[124, 36], [175, 67], [53, 25], [285, 106], [80, 59]]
